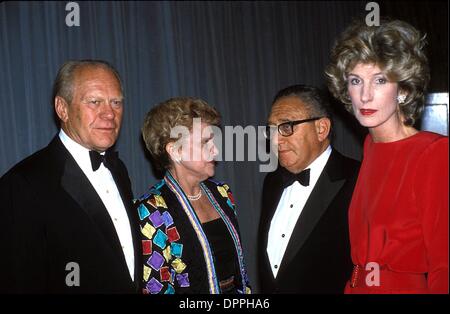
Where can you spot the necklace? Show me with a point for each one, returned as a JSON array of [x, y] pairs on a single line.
[[194, 197]]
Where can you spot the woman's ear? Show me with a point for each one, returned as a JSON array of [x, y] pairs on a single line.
[[323, 127], [401, 96], [170, 149]]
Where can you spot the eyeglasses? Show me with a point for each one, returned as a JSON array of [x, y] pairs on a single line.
[[286, 128]]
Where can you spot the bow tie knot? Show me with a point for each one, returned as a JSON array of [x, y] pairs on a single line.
[[108, 159], [302, 177]]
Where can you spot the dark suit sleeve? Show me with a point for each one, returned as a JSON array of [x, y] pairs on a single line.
[[262, 234], [126, 178], [22, 239]]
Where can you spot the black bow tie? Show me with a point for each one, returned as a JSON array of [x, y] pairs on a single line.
[[109, 159], [289, 177]]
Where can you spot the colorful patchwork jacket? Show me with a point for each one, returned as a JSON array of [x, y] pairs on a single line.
[[177, 255]]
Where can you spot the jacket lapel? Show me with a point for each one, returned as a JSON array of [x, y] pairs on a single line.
[[78, 186], [272, 192], [327, 186], [271, 204]]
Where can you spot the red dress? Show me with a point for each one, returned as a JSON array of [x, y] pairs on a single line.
[[398, 217]]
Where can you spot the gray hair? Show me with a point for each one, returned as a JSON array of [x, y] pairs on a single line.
[[314, 99], [63, 85]]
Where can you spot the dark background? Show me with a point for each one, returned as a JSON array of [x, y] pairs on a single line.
[[235, 55]]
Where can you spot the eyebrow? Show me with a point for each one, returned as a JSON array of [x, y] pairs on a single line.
[[121, 98], [353, 74], [282, 121]]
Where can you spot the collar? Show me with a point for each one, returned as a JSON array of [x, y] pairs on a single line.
[[78, 152], [317, 166]]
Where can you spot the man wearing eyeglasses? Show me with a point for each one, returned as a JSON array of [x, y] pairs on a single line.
[[304, 238]]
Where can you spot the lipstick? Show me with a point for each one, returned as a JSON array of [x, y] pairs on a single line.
[[367, 112]]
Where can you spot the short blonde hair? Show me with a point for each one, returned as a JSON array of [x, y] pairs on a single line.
[[394, 46], [178, 111]]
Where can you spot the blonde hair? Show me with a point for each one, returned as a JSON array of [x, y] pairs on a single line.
[[396, 47], [178, 111]]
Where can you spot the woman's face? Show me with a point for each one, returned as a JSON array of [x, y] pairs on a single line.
[[374, 98], [198, 152]]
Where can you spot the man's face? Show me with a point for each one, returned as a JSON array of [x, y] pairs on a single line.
[[297, 151], [94, 117]]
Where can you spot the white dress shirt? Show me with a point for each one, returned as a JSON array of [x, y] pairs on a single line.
[[289, 208], [105, 186]]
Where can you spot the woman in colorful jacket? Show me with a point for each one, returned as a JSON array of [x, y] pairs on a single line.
[[190, 235]]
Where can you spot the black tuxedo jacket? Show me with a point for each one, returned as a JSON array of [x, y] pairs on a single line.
[[51, 216], [317, 258]]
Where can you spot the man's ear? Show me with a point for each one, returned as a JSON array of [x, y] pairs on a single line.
[[323, 127], [61, 108]]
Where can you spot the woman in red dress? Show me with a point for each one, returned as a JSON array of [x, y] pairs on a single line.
[[398, 216]]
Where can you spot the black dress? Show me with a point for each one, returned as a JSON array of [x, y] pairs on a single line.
[[224, 253]]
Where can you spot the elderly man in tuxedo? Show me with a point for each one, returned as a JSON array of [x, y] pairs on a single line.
[[66, 218], [304, 246]]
